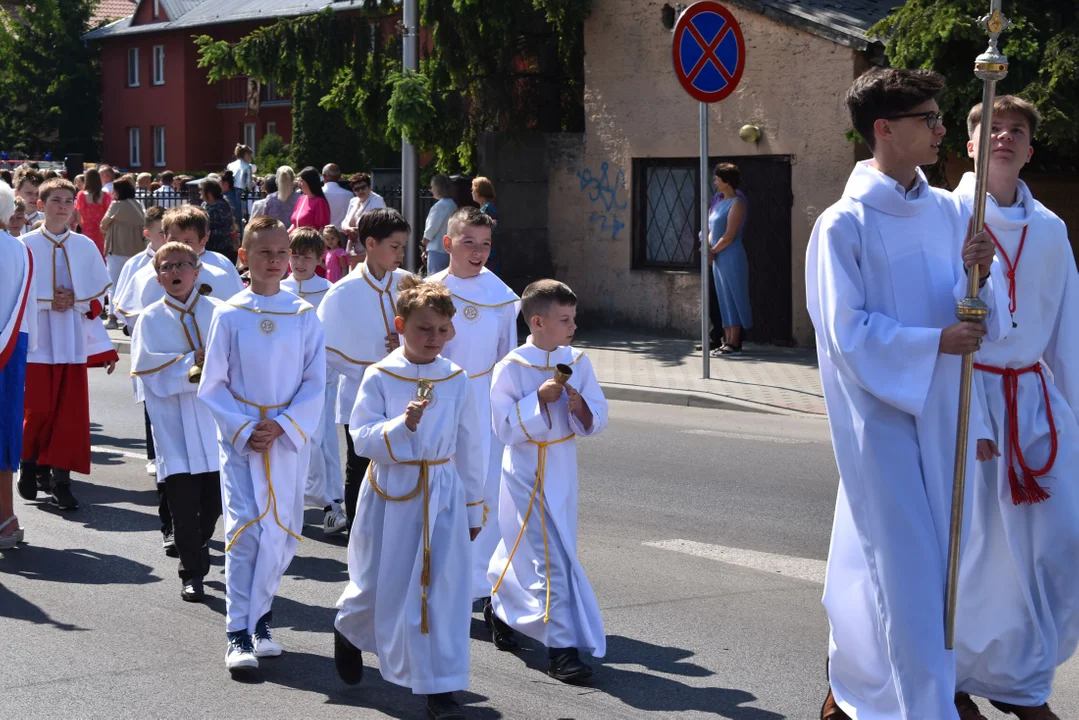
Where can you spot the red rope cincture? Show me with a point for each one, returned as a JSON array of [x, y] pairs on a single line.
[[1026, 491], [1012, 266]]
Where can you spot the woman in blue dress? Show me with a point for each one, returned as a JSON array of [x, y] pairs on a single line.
[[730, 268]]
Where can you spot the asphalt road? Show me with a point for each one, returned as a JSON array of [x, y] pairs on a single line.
[[703, 533]]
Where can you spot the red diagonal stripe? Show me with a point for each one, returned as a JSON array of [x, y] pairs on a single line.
[[719, 66], [709, 52]]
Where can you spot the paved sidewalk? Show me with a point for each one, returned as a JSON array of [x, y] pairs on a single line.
[[645, 368]]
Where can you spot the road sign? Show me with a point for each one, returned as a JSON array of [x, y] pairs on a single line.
[[709, 51]]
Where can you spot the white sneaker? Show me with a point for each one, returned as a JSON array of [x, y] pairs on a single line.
[[335, 520], [151, 468], [240, 654], [265, 645]]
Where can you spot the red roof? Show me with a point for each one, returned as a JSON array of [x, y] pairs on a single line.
[[109, 10]]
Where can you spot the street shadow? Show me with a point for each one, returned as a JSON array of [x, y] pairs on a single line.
[[104, 518], [75, 566], [99, 439], [18, 608], [673, 351], [287, 613], [319, 569]]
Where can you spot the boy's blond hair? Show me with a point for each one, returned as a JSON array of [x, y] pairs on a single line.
[[171, 247], [186, 217], [262, 222], [25, 173], [414, 293]]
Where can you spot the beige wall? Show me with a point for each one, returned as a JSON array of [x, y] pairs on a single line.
[[792, 88]]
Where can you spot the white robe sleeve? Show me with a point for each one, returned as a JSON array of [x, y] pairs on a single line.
[[376, 436], [234, 425], [1062, 353], [468, 457], [162, 373], [890, 361], [515, 420], [330, 307], [593, 395], [305, 410], [507, 336]]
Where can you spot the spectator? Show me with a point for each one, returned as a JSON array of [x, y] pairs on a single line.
[[90, 207], [313, 210], [80, 183], [730, 267], [143, 181], [165, 196], [483, 194], [269, 186], [122, 225], [333, 258], [7, 177], [282, 204], [231, 195], [242, 179], [366, 199], [220, 214], [434, 230], [338, 198], [17, 223], [108, 175]]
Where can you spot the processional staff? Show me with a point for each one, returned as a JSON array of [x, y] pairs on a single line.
[[990, 67]]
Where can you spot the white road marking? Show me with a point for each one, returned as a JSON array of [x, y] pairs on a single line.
[[114, 451], [747, 436], [785, 565]]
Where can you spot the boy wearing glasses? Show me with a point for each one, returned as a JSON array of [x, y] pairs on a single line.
[[167, 354], [883, 274]]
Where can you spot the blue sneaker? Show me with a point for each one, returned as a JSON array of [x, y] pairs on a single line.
[[241, 653]]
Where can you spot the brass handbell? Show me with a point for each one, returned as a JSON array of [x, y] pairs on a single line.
[[424, 390], [194, 375], [562, 373]]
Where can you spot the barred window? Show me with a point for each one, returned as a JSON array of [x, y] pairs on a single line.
[[666, 213]]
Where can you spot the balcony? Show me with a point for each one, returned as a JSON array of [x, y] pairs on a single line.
[[232, 93]]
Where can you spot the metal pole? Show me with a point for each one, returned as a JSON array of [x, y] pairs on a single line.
[[410, 161], [706, 198], [990, 67]]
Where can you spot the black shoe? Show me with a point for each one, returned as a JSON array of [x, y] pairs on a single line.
[[192, 591], [61, 491], [44, 479], [566, 666], [444, 707], [168, 544], [347, 658], [501, 634], [27, 480]]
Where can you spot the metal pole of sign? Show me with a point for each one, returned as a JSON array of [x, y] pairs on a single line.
[[410, 163], [706, 197]]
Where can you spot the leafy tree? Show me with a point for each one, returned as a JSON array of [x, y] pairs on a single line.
[[49, 93], [509, 65], [1043, 53]]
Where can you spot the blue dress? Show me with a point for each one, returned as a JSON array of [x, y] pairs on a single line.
[[12, 385], [730, 269]]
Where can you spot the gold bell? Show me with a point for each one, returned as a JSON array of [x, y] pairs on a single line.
[[562, 373], [194, 375], [424, 390]]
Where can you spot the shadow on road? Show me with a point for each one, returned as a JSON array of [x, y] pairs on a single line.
[[18, 608], [75, 566]]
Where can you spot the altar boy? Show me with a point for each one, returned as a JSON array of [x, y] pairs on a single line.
[[538, 585], [264, 380]]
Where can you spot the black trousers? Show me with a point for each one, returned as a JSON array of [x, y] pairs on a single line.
[[195, 501], [151, 453], [355, 469]]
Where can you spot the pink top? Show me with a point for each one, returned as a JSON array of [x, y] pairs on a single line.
[[90, 215], [332, 260], [311, 212]]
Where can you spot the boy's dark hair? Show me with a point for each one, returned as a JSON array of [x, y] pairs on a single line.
[[166, 177], [211, 187], [380, 224], [154, 214], [306, 240], [186, 217], [25, 173], [7, 177], [124, 189], [468, 217], [50, 186], [1003, 104], [538, 297], [882, 93]]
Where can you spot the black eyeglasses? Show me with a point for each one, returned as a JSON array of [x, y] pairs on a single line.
[[167, 268], [359, 188], [932, 118]]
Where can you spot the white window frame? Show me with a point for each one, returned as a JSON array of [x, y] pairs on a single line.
[[157, 9], [271, 128], [133, 67], [159, 146], [158, 55], [251, 135], [134, 146]]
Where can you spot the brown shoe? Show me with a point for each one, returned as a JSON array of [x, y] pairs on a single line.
[[1042, 712], [830, 711], [966, 707]]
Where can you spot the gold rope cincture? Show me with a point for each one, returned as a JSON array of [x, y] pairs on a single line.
[[422, 484], [381, 292], [58, 244], [537, 489], [269, 481], [194, 321]]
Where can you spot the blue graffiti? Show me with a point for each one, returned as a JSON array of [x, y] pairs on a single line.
[[600, 190]]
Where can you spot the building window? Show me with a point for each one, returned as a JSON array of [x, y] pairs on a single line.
[[133, 67], [159, 64], [250, 130], [159, 147], [271, 128], [134, 142], [666, 213], [157, 9]]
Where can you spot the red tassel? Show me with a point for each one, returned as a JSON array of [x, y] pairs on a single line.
[[1019, 493], [1035, 492]]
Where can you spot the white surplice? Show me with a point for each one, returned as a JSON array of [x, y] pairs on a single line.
[[381, 609], [143, 288], [222, 263], [485, 331], [357, 313], [265, 359], [1018, 614], [325, 482], [132, 266], [883, 271], [546, 558], [17, 293], [163, 345]]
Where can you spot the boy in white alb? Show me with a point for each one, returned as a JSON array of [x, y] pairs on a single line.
[[1018, 613], [167, 355], [325, 487], [486, 329], [264, 380], [409, 594], [154, 234], [357, 314], [70, 282], [538, 409]]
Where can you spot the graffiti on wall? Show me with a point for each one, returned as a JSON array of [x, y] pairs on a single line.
[[604, 197]]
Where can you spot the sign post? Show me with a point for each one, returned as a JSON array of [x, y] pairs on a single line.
[[709, 55]]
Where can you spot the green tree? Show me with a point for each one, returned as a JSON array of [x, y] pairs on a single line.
[[1043, 53], [508, 65], [50, 89]]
